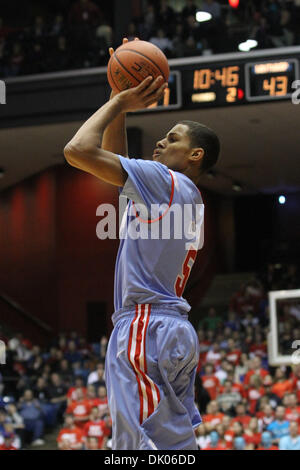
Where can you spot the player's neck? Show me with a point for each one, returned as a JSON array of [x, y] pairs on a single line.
[[193, 174]]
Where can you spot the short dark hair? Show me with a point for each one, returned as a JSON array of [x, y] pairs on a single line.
[[204, 137]]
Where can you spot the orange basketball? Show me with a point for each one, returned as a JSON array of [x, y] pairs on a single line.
[[132, 62]]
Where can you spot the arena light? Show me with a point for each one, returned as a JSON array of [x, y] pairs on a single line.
[[234, 3], [247, 45], [202, 16], [237, 187], [281, 199]]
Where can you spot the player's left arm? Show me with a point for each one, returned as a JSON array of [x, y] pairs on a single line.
[[84, 151]]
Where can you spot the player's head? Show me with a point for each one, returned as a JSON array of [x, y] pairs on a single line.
[[189, 147]]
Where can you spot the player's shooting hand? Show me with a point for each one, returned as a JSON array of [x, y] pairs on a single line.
[[147, 92], [111, 51]]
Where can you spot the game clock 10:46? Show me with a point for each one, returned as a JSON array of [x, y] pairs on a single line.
[[216, 85]]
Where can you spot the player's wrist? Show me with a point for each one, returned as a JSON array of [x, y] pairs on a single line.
[[120, 102]]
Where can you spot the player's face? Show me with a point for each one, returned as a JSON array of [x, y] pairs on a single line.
[[174, 149]]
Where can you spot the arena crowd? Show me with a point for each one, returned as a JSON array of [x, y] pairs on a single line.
[[244, 403], [73, 34]]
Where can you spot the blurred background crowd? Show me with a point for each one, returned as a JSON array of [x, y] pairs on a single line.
[[72, 34], [244, 402]]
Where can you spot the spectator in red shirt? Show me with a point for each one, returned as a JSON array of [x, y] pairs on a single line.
[[259, 348], [233, 353], [214, 355], [72, 392], [8, 440], [213, 416], [70, 437], [252, 434], [241, 415], [80, 409], [101, 400], [256, 369], [292, 411], [91, 395], [282, 384], [295, 377], [210, 382], [96, 427], [235, 430], [254, 392]]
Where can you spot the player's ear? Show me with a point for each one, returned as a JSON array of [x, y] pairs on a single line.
[[197, 154]]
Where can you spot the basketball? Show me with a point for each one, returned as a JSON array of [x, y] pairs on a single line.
[[132, 62]]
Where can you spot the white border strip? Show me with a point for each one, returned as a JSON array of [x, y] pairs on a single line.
[[274, 357]]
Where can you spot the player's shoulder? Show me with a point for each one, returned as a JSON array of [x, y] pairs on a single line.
[[186, 187]]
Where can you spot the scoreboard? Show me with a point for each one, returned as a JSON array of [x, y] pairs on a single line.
[[222, 82]]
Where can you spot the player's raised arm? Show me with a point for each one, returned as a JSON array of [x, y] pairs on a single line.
[[84, 151], [115, 135]]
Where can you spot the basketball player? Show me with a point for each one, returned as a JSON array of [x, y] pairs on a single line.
[[153, 350]]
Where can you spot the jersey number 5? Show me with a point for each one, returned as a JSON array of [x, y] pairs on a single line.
[[186, 269]]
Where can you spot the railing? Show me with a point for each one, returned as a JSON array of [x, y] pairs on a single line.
[[18, 319]]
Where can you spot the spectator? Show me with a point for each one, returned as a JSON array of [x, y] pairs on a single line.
[[254, 392], [255, 369], [8, 442], [241, 416], [190, 9], [92, 443], [214, 355], [16, 422], [241, 368], [266, 441], [252, 434], [280, 426], [213, 415], [233, 353], [14, 68], [85, 12], [214, 442], [104, 32], [266, 416], [101, 400], [72, 392], [58, 26], [228, 398], [96, 427], [281, 385], [274, 399], [97, 376], [72, 354], [292, 411], [239, 443], [57, 395], [80, 409], [211, 322], [202, 438], [291, 441], [31, 412], [160, 40], [70, 437], [210, 382]]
